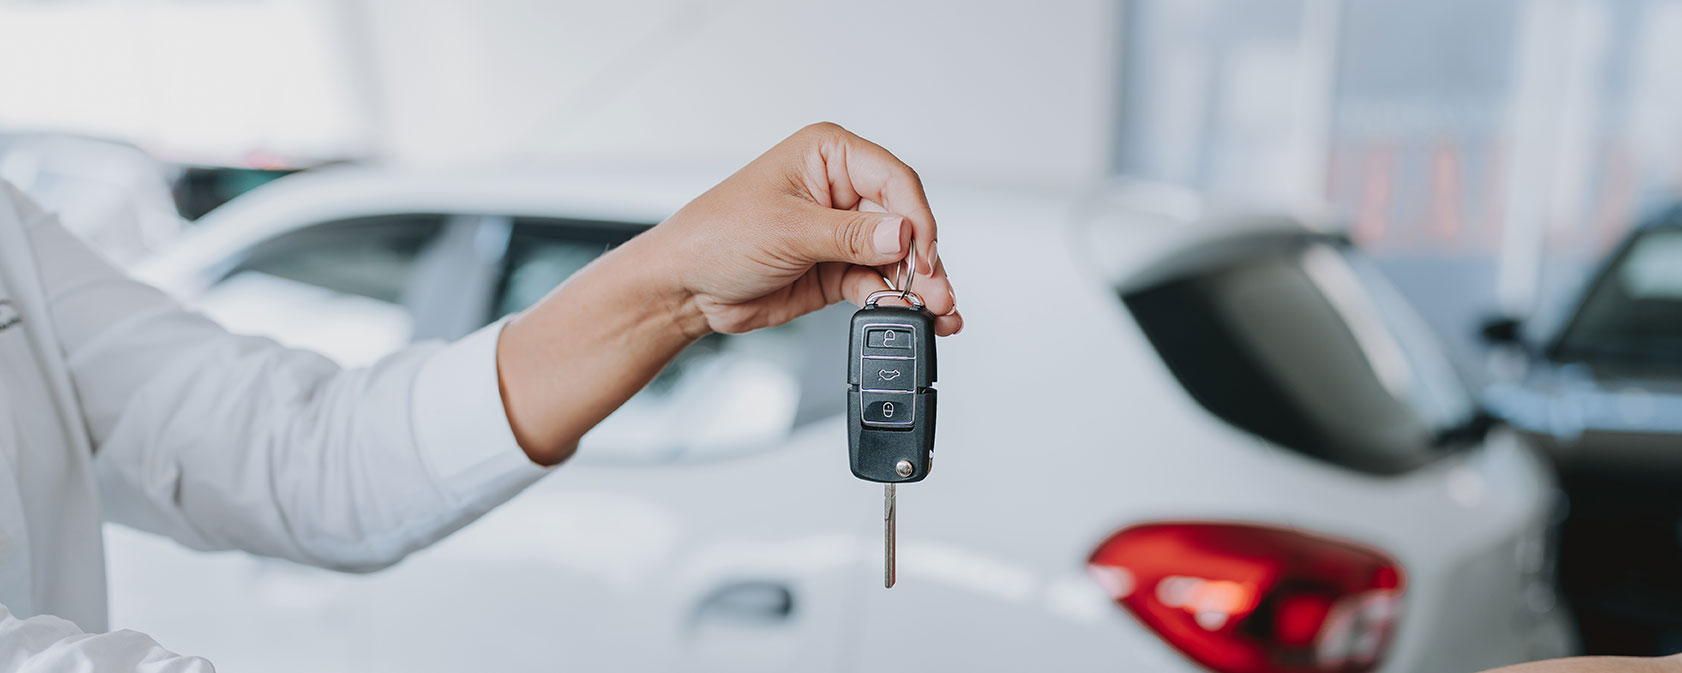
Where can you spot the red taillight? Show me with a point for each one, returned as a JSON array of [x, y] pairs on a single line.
[[1251, 599]]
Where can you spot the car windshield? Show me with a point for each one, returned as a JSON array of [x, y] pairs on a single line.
[[1632, 316], [1307, 345]]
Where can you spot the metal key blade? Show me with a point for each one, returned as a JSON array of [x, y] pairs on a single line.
[[888, 536]]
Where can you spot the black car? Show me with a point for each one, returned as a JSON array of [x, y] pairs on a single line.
[[1603, 396]]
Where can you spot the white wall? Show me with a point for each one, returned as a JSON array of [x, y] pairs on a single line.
[[992, 92], [981, 92], [190, 80]]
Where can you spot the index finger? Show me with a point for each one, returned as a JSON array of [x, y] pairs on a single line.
[[858, 169]]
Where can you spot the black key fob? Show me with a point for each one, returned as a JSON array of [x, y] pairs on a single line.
[[890, 393]]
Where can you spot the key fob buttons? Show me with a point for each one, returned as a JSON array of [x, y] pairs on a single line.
[[888, 375]]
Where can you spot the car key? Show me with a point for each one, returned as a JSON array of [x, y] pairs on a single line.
[[891, 399]]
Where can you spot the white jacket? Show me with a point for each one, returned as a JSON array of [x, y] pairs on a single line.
[[117, 404]]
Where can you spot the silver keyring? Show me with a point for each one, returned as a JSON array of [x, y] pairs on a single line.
[[906, 295], [910, 272], [903, 280]]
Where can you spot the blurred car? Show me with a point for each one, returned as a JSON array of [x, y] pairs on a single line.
[[1170, 440], [1603, 395], [112, 194], [201, 188]]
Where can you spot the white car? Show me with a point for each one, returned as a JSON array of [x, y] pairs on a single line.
[[1169, 440]]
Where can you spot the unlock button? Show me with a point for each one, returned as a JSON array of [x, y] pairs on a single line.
[[889, 408]]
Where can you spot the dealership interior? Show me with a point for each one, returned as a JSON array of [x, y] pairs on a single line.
[[1298, 336]]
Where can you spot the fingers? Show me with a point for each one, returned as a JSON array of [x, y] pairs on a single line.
[[870, 239], [859, 169], [935, 290], [948, 325], [857, 282]]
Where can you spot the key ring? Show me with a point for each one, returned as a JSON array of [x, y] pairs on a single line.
[[904, 283], [916, 301]]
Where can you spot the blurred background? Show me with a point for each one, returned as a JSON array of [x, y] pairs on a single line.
[[1371, 313]]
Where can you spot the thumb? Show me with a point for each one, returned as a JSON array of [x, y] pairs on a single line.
[[868, 239]]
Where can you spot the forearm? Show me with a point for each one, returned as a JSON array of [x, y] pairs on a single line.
[[581, 352], [1672, 664], [230, 442]]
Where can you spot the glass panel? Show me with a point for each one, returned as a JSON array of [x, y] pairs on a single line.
[[1213, 95], [1632, 319], [371, 257], [335, 288], [1488, 154], [1654, 269], [1310, 349]]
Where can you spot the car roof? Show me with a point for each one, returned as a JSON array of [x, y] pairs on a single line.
[[350, 191]]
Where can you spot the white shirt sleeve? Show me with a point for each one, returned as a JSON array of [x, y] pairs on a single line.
[[234, 442], [53, 644]]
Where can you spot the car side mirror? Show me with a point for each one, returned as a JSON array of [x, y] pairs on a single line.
[[1503, 331]]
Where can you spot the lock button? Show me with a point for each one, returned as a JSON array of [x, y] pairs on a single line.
[[891, 338], [889, 409]]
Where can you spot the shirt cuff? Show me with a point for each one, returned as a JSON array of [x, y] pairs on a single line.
[[461, 426]]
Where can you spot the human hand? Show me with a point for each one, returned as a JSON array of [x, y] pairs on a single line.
[[1670, 664], [819, 218]]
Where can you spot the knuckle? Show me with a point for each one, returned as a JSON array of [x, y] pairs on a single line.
[[910, 179], [823, 129], [816, 136]]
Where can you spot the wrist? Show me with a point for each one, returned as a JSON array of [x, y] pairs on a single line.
[[653, 260], [574, 357]]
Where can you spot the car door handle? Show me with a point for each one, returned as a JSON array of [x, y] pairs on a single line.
[[747, 603]]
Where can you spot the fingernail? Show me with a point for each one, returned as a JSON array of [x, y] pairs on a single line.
[[886, 237], [934, 258]]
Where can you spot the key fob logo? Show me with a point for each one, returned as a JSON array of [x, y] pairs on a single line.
[[888, 339], [888, 374], [887, 410]]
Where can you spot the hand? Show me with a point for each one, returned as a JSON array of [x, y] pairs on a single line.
[[819, 218], [1670, 664], [816, 220]]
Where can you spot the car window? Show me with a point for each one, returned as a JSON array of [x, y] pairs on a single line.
[[336, 288], [723, 395], [1631, 319], [1308, 347], [368, 257], [542, 252]]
